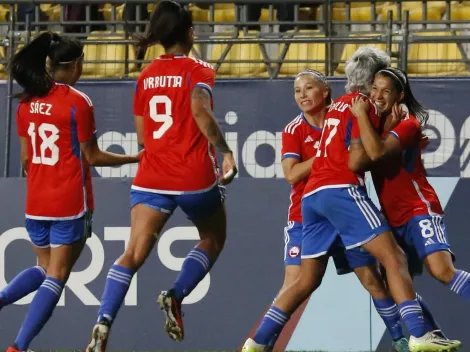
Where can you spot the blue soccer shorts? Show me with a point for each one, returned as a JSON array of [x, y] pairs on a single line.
[[194, 205], [55, 233], [425, 234], [345, 212], [345, 260]]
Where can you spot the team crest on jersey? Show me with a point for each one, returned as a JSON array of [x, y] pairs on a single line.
[[294, 251]]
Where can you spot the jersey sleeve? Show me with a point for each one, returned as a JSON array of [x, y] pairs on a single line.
[[85, 119], [138, 98], [203, 76], [291, 148], [406, 132], [21, 124]]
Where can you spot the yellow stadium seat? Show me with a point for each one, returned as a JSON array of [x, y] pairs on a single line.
[[460, 12], [350, 49], [4, 13], [436, 51], [239, 52], [362, 14], [51, 11], [359, 4], [107, 10], [104, 52], [303, 51], [435, 10]]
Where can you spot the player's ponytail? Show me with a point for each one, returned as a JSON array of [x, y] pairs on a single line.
[[28, 67], [169, 25]]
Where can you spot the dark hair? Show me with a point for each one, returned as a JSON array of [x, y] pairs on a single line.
[[169, 25], [401, 84], [28, 66]]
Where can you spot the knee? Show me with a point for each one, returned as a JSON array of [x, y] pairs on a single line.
[[395, 261], [308, 283], [442, 273], [61, 273], [132, 259], [372, 282]]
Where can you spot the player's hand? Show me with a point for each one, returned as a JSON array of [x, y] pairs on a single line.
[[424, 142], [229, 169], [398, 114], [139, 155], [359, 106]]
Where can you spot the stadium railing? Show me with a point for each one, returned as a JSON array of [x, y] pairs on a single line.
[[423, 37]]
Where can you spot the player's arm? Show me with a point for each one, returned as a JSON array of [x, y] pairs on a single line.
[[24, 153], [139, 128], [295, 170], [376, 147], [89, 144], [201, 107], [205, 119], [358, 160], [96, 157]]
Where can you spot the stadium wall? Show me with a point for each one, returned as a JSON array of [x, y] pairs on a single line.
[[226, 306]]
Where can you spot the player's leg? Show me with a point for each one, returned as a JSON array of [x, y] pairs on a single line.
[[404, 238], [367, 270], [67, 241], [207, 211], [429, 235], [318, 235], [149, 214], [31, 279], [361, 224]]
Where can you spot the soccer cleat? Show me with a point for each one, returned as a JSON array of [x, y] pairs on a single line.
[[251, 346], [432, 342], [14, 349], [99, 337], [172, 309], [400, 345]]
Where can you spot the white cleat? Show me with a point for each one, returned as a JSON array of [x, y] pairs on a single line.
[[432, 342], [99, 338], [251, 346]]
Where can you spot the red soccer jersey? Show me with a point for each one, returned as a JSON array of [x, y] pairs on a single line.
[[59, 179], [177, 157], [400, 181], [330, 168], [300, 140]]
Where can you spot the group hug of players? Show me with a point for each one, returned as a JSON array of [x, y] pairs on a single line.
[[326, 151]]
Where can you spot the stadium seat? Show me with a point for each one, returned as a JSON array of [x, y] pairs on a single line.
[[436, 51], [239, 52], [350, 49], [435, 10], [460, 12], [104, 52], [303, 51], [107, 10], [4, 13]]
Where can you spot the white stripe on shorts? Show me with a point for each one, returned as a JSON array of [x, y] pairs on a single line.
[[365, 208]]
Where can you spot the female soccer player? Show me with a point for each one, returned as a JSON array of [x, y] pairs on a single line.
[[408, 200], [175, 123], [335, 204], [57, 134], [300, 140]]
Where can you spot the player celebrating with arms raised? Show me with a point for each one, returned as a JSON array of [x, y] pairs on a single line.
[[175, 123], [57, 134], [408, 200]]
